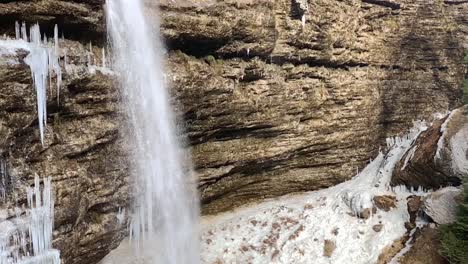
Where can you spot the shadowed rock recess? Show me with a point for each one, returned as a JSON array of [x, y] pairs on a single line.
[[270, 105]]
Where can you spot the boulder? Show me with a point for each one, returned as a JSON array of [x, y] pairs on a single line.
[[441, 206]]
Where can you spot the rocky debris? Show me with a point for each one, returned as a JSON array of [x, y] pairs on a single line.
[[367, 212], [438, 157], [441, 205], [425, 249], [328, 248], [377, 228], [385, 202]]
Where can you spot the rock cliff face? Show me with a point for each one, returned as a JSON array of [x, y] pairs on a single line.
[[275, 98]]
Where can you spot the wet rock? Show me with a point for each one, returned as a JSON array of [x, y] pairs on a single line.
[[377, 228], [385, 202], [328, 248], [367, 212], [413, 204]]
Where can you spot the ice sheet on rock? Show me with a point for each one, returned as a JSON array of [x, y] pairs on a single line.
[[443, 128], [9, 49], [294, 229], [38, 61]]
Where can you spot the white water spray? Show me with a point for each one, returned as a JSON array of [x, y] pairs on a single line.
[[165, 215]]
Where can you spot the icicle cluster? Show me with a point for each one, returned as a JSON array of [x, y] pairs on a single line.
[[44, 61], [28, 240]]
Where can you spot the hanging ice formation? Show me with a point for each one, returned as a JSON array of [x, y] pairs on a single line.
[[28, 239], [44, 62]]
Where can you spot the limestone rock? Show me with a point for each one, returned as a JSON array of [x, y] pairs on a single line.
[[377, 228], [83, 154], [441, 206]]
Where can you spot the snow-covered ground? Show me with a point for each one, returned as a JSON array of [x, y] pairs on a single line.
[[295, 229]]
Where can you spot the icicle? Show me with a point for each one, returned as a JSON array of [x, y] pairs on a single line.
[[90, 55], [103, 58], [303, 20], [56, 63], [121, 215], [37, 60], [17, 30], [24, 35], [65, 61]]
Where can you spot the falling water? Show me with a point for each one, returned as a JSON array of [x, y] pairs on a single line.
[[164, 220]]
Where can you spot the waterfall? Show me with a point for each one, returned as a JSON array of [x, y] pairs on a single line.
[[165, 213]]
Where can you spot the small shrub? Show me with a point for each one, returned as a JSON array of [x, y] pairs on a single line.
[[455, 236]]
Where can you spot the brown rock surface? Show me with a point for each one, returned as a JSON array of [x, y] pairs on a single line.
[[390, 251], [328, 248], [385, 202], [425, 249], [414, 204], [270, 107], [82, 154]]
